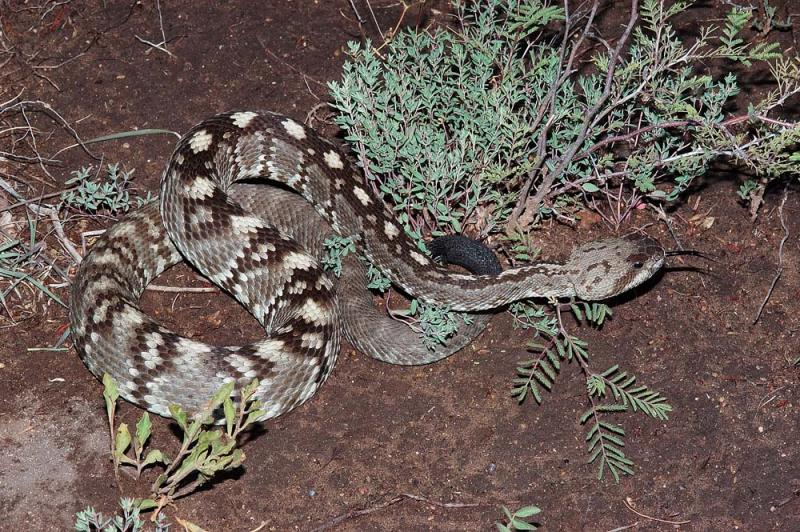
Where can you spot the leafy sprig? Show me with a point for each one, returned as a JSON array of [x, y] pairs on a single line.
[[204, 452]]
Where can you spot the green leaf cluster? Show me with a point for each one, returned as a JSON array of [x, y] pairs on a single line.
[[436, 324], [130, 520], [336, 247], [518, 520], [204, 452], [109, 191], [552, 346]]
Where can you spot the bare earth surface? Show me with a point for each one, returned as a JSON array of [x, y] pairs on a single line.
[[448, 433]]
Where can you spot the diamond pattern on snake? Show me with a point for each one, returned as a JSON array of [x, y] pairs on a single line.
[[262, 244]]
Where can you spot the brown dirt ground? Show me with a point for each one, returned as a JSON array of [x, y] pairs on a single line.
[[727, 458]]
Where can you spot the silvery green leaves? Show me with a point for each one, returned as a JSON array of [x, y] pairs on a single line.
[[436, 324], [336, 247], [130, 520], [429, 130], [456, 125], [102, 191]]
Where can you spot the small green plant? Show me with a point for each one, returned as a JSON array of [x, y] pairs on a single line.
[[336, 247], [376, 279], [746, 189], [89, 520], [110, 191], [24, 264], [559, 345], [121, 439], [435, 324], [519, 520], [36, 257], [204, 452]]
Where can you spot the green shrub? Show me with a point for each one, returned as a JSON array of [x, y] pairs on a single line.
[[490, 125]]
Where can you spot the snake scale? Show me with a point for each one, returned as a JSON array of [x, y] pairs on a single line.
[[262, 244]]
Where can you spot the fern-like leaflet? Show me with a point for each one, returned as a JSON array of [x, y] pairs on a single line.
[[605, 440]]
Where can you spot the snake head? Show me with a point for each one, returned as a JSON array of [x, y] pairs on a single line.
[[606, 268]]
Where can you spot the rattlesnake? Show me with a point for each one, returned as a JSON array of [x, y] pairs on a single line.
[[258, 244]]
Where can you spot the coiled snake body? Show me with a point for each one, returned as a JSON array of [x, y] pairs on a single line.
[[263, 245]]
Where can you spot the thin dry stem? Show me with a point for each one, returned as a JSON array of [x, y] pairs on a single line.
[[779, 271]]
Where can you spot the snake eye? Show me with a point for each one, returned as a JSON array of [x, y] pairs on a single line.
[[638, 265]]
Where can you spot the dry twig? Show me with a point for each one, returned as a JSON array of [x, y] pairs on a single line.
[[353, 513], [779, 271], [52, 213], [632, 509], [162, 46]]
